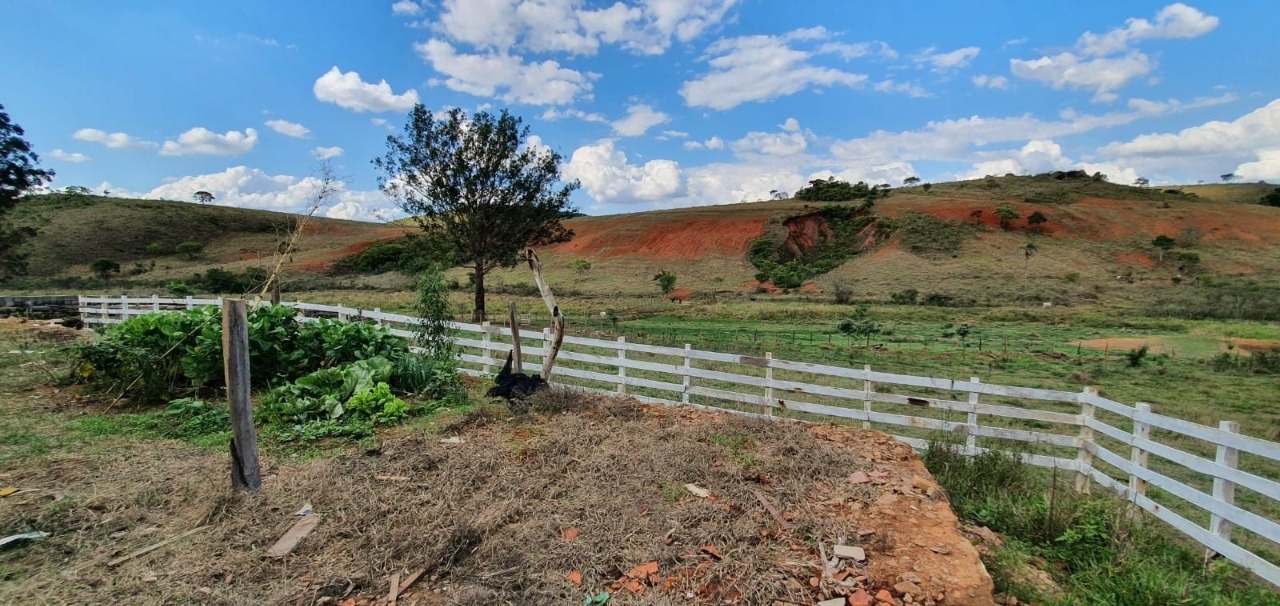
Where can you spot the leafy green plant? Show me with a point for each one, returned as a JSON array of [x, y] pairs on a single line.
[[179, 289], [860, 324], [905, 297], [666, 281], [1136, 356], [342, 401], [190, 249], [103, 268]]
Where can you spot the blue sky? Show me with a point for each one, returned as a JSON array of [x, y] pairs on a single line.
[[653, 103]]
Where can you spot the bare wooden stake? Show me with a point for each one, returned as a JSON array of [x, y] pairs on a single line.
[[245, 473], [275, 291], [514, 321], [150, 548], [557, 318]]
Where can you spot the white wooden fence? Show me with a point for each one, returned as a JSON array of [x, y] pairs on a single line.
[[1081, 432]]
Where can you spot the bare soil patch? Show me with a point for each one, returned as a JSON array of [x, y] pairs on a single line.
[[522, 510]]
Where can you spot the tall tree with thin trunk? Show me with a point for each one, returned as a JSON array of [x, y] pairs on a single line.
[[18, 175], [475, 185]]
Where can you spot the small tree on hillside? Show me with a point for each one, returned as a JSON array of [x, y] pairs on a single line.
[[202, 197], [1036, 220], [1028, 251], [1227, 177], [581, 266], [190, 249], [1141, 182], [476, 185], [77, 190], [860, 324], [1163, 245], [666, 281], [1272, 199], [1007, 215], [912, 180], [103, 268], [926, 187]]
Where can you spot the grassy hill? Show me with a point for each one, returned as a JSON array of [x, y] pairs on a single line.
[[1095, 247], [74, 230]]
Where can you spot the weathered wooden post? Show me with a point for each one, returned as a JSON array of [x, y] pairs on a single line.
[[971, 437], [245, 473], [1224, 490], [275, 291], [1084, 457], [513, 320]]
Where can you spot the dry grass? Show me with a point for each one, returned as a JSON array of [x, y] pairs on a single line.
[[486, 518]]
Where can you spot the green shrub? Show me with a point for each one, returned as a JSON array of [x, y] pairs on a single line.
[[345, 400], [179, 289], [155, 357], [927, 235], [156, 249], [103, 268], [905, 297], [190, 249]]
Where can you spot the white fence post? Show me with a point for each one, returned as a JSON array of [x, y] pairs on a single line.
[[688, 365], [190, 303], [1225, 490], [1084, 458], [867, 387], [1138, 456], [155, 302], [971, 439], [124, 307], [622, 370], [378, 320], [485, 341], [768, 379]]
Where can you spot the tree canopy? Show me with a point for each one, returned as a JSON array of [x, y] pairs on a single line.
[[476, 185], [19, 173], [835, 190]]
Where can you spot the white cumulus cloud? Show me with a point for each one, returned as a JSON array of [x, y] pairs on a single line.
[[996, 82], [1104, 63], [712, 143], [245, 187], [639, 119], [112, 140], [200, 140], [552, 114], [943, 62], [325, 153], [608, 177], [406, 8], [289, 129], [348, 91], [760, 68], [66, 156], [507, 77]]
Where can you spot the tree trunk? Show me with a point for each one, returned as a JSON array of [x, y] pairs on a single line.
[[479, 314]]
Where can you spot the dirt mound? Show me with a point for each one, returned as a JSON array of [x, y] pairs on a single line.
[[654, 505]]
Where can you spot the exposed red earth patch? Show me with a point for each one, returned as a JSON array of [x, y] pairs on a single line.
[[689, 239], [1136, 258]]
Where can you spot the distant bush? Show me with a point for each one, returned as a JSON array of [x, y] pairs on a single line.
[[666, 281], [156, 249], [580, 266], [103, 268], [905, 297], [190, 249], [1271, 199], [410, 255], [179, 289], [219, 281]]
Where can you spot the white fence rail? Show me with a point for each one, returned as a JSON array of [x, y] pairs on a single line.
[[1079, 432]]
